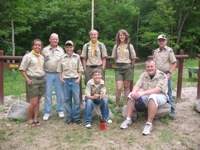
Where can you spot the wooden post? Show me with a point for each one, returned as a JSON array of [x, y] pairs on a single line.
[[81, 98], [180, 76], [1, 79], [198, 85]]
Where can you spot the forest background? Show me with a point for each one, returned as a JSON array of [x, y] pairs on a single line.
[[22, 21]]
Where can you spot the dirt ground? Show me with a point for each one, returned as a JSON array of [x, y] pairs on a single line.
[[183, 133]]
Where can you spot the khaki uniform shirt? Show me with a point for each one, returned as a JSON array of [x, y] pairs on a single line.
[[164, 58], [158, 81], [97, 59], [126, 57], [70, 66], [92, 88], [52, 57], [31, 65]]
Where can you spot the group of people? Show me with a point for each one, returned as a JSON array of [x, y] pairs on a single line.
[[51, 69]]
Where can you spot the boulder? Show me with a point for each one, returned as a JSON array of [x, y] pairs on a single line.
[[124, 113], [97, 111], [198, 106], [19, 110], [161, 112]]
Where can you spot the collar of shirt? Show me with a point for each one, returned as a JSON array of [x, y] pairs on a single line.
[[101, 82], [164, 48], [73, 55], [155, 76]]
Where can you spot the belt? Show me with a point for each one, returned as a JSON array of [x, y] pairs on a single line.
[[37, 78], [51, 72], [94, 66], [122, 64]]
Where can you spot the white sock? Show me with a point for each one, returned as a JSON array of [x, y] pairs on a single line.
[[128, 118], [149, 123]]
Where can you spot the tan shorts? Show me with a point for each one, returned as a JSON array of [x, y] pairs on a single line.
[[37, 88]]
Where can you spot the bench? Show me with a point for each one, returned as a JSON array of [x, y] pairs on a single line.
[[192, 70]]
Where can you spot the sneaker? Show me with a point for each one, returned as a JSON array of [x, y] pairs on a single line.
[[61, 114], [79, 122], [46, 117], [88, 125], [68, 121], [125, 124], [147, 129], [109, 121]]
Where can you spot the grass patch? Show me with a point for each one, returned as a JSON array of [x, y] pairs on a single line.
[[166, 135], [2, 133]]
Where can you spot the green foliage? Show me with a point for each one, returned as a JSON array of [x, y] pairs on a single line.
[[14, 83], [144, 20]]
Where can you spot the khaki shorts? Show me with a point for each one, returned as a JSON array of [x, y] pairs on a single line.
[[37, 88], [124, 72]]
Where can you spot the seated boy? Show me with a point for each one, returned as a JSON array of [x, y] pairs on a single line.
[[95, 93]]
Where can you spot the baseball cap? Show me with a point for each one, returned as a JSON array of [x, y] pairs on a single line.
[[162, 36], [69, 42], [139, 105]]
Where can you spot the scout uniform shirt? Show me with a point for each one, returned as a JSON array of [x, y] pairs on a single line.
[[32, 65], [70, 66], [92, 88], [95, 60], [164, 58], [123, 55], [52, 57], [158, 81]]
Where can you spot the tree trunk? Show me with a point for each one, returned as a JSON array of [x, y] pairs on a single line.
[[138, 26]]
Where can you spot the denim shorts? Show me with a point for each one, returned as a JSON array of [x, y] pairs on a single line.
[[37, 87]]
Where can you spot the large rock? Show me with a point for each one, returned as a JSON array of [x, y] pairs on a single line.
[[124, 113], [198, 106], [19, 110], [97, 111], [161, 111]]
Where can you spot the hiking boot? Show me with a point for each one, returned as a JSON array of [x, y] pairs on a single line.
[[125, 124], [68, 121], [147, 129], [79, 122]]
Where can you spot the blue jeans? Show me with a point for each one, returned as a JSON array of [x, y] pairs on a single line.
[[90, 106], [171, 101], [72, 90], [53, 80]]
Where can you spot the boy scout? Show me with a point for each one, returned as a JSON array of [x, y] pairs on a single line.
[[95, 93], [166, 62], [154, 93], [70, 69], [94, 56]]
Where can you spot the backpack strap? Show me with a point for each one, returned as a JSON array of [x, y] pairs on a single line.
[[129, 49], [116, 51]]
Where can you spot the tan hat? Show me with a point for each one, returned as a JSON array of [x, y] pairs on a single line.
[[162, 36], [69, 42]]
